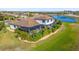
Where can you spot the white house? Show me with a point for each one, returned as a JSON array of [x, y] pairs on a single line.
[[46, 22], [32, 23], [44, 19], [13, 27]]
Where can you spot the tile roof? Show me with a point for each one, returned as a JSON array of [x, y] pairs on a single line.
[[29, 22], [25, 22]]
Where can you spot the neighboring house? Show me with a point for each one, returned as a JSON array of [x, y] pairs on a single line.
[[28, 24]]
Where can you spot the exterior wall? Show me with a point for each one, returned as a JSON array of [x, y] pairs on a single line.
[[39, 21], [31, 28], [50, 22], [6, 23], [46, 22], [13, 27]]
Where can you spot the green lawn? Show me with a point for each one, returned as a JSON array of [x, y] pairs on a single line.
[[63, 41]]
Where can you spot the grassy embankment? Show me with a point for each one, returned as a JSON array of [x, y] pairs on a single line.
[[8, 41], [63, 41]]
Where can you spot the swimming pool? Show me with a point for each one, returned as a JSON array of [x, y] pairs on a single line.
[[64, 18]]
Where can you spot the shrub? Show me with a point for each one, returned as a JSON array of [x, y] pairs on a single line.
[[46, 31], [1, 25], [35, 36], [22, 34]]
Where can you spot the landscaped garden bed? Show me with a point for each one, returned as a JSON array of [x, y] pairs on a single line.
[[35, 36]]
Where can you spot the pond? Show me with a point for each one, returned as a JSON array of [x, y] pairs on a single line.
[[64, 18]]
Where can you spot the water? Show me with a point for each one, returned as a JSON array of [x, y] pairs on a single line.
[[64, 18]]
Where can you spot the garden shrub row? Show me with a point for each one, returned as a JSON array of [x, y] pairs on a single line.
[[34, 36]]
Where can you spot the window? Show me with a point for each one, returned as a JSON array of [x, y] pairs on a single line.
[[51, 19], [43, 21], [47, 20], [15, 26]]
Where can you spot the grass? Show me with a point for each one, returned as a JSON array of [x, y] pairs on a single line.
[[62, 41], [65, 40], [8, 41]]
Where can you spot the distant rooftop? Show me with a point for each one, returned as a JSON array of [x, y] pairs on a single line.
[[42, 17]]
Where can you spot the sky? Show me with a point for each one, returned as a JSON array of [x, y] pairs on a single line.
[[38, 9]]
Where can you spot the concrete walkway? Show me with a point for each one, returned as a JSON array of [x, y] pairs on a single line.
[[45, 37]]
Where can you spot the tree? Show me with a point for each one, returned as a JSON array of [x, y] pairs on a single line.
[[1, 25], [46, 31], [1, 17], [21, 34], [59, 22]]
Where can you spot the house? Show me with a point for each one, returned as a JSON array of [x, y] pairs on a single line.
[[44, 19], [26, 24], [31, 23]]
